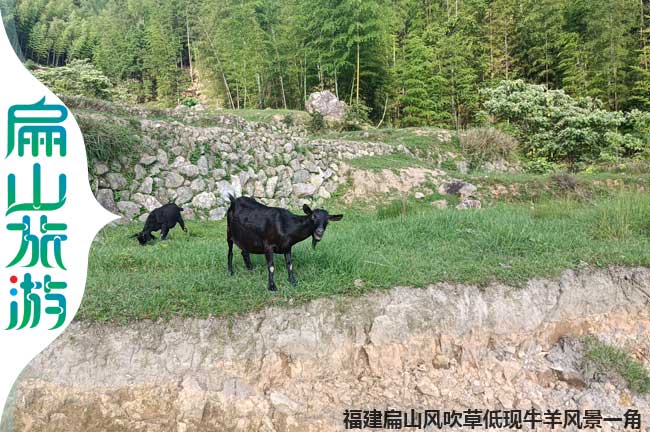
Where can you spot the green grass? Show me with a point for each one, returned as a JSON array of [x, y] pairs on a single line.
[[186, 276], [263, 115], [394, 161], [613, 360], [423, 141]]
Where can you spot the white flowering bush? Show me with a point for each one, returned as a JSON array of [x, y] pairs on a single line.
[[555, 127]]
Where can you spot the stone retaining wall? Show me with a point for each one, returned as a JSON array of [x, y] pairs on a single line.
[[196, 167]]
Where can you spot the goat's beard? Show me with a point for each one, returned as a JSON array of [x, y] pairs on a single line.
[[314, 242]]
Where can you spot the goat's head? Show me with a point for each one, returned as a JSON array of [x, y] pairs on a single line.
[[319, 218], [143, 237]]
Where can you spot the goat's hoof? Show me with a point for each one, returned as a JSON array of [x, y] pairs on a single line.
[[272, 288], [231, 273], [293, 282]]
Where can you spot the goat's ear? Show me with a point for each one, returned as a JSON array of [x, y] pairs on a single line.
[[306, 209], [334, 218]]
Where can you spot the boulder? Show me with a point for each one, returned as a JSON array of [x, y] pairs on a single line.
[[328, 105], [457, 187]]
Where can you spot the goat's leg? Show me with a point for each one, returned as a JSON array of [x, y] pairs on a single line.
[[287, 259], [269, 264], [232, 273], [247, 260], [163, 232], [181, 222]]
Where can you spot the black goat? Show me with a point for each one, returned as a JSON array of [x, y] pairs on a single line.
[[258, 229], [163, 218]]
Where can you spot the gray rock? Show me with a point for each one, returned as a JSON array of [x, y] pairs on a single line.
[[189, 170], [271, 183], [303, 189], [116, 181], [148, 159], [178, 162], [204, 200], [316, 180], [162, 158], [174, 180], [301, 176], [183, 194], [457, 187], [147, 201], [140, 172], [469, 204], [219, 173], [129, 210], [101, 168], [204, 166], [105, 198], [147, 186], [198, 185]]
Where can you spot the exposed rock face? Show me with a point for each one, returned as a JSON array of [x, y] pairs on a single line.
[[368, 183], [328, 105], [198, 167], [441, 347]]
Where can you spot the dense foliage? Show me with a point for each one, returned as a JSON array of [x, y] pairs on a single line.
[[413, 62], [556, 127]]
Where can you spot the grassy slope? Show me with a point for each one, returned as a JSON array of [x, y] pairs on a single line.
[[509, 242]]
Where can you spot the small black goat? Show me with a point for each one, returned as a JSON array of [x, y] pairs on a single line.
[[163, 218], [258, 229]]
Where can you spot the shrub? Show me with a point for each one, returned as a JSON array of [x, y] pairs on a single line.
[[288, 120], [316, 122], [190, 102], [487, 144], [79, 77], [557, 127], [356, 117]]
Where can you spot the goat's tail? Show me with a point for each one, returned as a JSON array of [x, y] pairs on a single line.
[[232, 198]]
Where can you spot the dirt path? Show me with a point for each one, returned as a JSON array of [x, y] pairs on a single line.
[[443, 347]]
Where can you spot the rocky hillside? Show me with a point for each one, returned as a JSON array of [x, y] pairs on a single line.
[[197, 167], [444, 347]]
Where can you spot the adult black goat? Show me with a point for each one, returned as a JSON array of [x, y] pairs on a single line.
[[259, 229]]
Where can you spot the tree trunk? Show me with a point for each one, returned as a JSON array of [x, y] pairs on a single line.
[[358, 72], [644, 48], [336, 83], [189, 47]]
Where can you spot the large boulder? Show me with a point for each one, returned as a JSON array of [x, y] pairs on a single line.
[[328, 105]]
